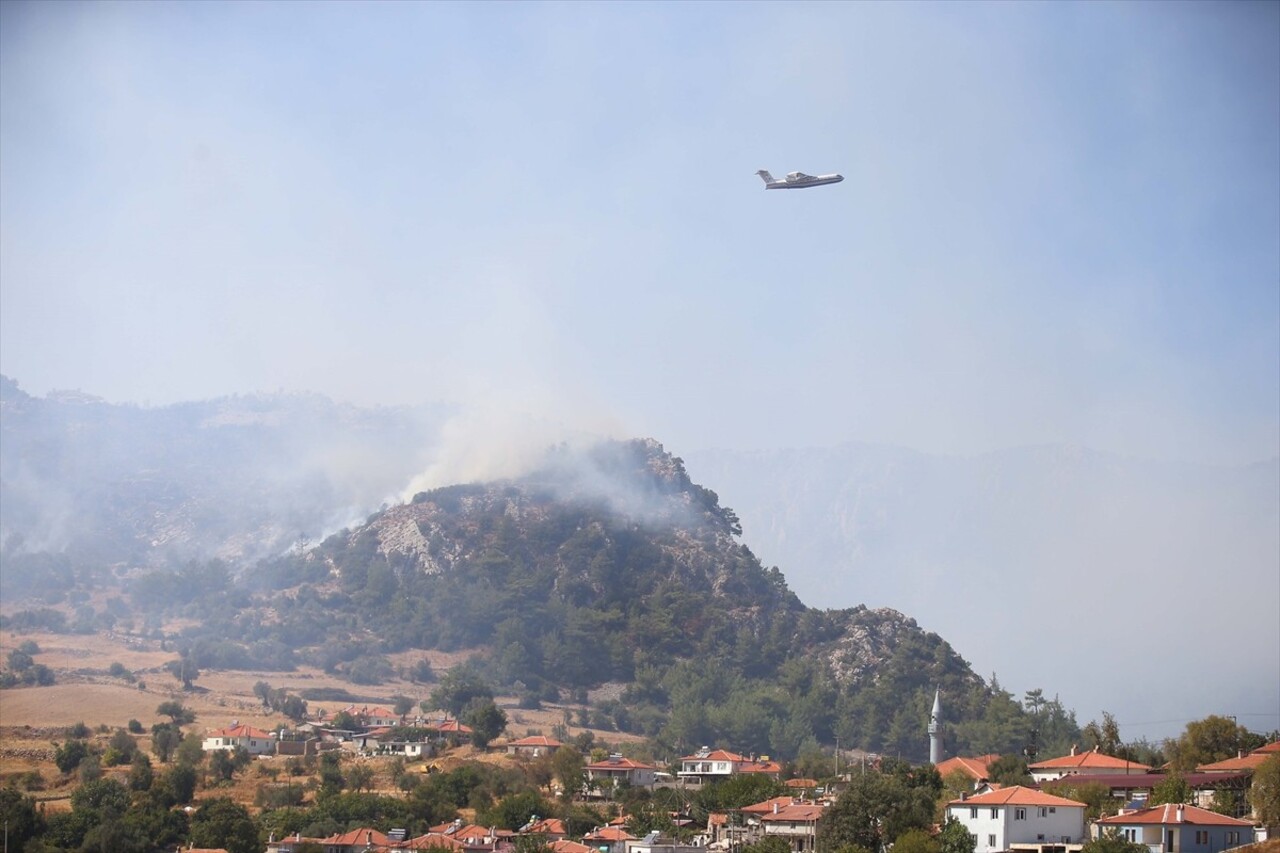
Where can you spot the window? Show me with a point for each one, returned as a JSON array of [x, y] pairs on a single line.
[[1043, 811], [991, 840], [1233, 837], [1202, 836], [973, 812], [1131, 835], [995, 812], [1019, 814], [1053, 809]]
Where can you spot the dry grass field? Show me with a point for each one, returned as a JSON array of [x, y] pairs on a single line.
[[33, 720]]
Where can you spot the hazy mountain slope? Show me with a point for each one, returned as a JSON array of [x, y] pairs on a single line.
[[236, 478], [1088, 553]]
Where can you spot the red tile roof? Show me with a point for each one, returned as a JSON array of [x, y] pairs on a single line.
[[240, 730], [797, 812], [801, 783], [363, 835], [566, 846], [449, 726], [618, 764], [1016, 795], [1091, 759], [717, 755], [436, 841], [609, 833], [1174, 814], [768, 805], [760, 767], [976, 768], [548, 826]]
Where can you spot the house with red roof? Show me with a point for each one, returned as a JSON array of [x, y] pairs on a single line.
[[1244, 762], [1177, 828], [533, 746], [797, 824], [710, 765], [1087, 763], [564, 845], [550, 828], [616, 770], [255, 741], [1020, 818], [978, 769], [609, 839], [355, 841]]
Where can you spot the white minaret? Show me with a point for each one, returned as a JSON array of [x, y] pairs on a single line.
[[935, 729]]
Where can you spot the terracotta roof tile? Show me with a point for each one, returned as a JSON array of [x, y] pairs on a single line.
[[1090, 759], [1173, 814], [1016, 795]]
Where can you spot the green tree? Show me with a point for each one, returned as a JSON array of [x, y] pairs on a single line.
[[402, 705], [68, 756], [1171, 789], [140, 773], [567, 767], [20, 817], [1264, 793], [165, 738], [1105, 738], [875, 809], [954, 838], [184, 669], [486, 720], [223, 823], [1205, 741], [1096, 797], [294, 707], [459, 687], [176, 711], [1009, 770], [768, 844], [360, 777], [916, 841]]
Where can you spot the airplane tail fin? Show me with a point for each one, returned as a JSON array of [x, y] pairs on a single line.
[[766, 177]]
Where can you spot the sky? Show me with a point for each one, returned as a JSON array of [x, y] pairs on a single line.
[[1060, 222]]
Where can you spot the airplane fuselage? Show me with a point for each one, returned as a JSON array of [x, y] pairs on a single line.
[[798, 180]]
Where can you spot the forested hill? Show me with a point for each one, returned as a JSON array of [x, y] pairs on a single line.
[[609, 565]]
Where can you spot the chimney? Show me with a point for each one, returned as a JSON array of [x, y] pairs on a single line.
[[1073, 749], [964, 795], [1180, 812], [775, 806]]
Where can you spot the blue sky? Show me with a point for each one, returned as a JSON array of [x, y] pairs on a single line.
[[1059, 221]]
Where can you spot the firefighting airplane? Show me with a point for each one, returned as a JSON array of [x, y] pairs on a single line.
[[797, 180]]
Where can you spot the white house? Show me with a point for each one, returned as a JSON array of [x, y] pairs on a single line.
[[255, 741], [1019, 818], [618, 770], [796, 824], [710, 765]]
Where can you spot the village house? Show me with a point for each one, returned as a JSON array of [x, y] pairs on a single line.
[[609, 839], [1244, 762], [1087, 763], [549, 828], [563, 845], [1137, 787], [616, 770], [1018, 818], [655, 842], [254, 741], [797, 824], [1176, 828], [708, 765], [533, 746], [978, 769]]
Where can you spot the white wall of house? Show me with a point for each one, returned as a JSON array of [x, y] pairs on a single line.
[[997, 827]]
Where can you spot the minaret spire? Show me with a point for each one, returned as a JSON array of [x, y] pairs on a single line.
[[935, 728]]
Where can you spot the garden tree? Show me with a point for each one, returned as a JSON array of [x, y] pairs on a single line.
[[514, 810], [165, 738], [567, 767], [916, 841], [19, 815], [343, 720], [874, 810], [223, 823], [294, 707], [1105, 738], [263, 691], [1112, 842], [67, 756], [742, 789], [175, 787], [223, 763], [459, 687], [120, 749], [176, 711], [1229, 803], [532, 844], [954, 838], [1264, 793], [184, 669], [1096, 797], [421, 672], [486, 720], [646, 817], [360, 777], [1009, 770], [190, 751], [140, 773], [954, 784], [1171, 789], [402, 705], [331, 778], [1205, 741], [104, 799]]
